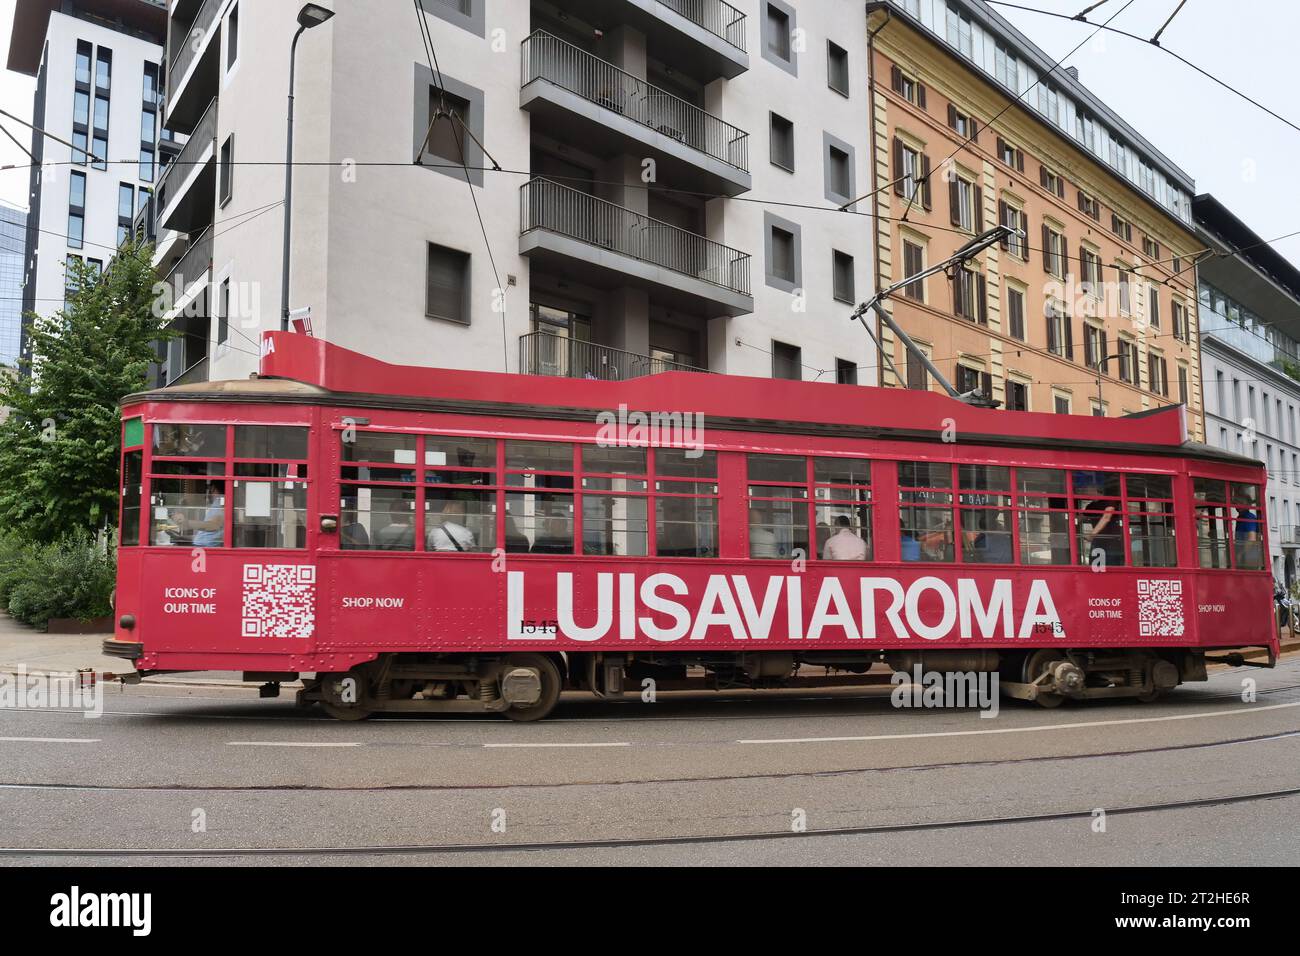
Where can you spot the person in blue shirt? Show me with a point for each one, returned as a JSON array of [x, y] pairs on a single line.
[[1249, 552], [211, 531]]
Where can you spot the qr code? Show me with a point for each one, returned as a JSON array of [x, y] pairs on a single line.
[[1160, 609], [279, 601]]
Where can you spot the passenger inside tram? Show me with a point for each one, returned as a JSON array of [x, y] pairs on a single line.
[[399, 533], [1249, 551], [1102, 527], [447, 531], [845, 544], [210, 531], [762, 539]]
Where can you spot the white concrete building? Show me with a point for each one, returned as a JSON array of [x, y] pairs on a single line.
[[97, 65], [645, 148], [1250, 353]]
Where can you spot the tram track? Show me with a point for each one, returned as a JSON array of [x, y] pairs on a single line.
[[700, 779], [440, 849]]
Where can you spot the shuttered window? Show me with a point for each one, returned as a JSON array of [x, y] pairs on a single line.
[[447, 295]]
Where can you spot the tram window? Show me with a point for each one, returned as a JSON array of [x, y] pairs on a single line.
[[539, 523], [365, 473], [925, 511], [460, 520], [778, 506], [276, 442], [190, 469], [686, 527], [778, 469], [460, 461], [986, 517], [1099, 518], [529, 462], [1043, 505], [1210, 490], [189, 441], [270, 514], [379, 447], [685, 463], [266, 469], [1151, 521], [1212, 535], [1247, 528], [377, 519], [187, 513], [614, 460], [843, 505], [615, 525], [132, 497]]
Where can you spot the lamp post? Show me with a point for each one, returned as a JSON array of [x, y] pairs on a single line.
[[311, 15]]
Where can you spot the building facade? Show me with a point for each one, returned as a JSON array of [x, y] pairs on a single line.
[[13, 268], [97, 65], [593, 216], [1093, 311], [1250, 345]]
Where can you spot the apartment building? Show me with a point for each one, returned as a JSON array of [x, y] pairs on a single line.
[[649, 184], [13, 269], [1250, 347], [1094, 310], [97, 65]]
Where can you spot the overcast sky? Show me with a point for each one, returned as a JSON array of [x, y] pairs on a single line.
[[1232, 149]]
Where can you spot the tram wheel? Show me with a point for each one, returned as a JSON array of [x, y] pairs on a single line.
[[1150, 696], [331, 695], [551, 686], [1036, 664]]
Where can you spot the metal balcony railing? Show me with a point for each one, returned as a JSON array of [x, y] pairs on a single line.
[[204, 135], [196, 262], [550, 207], [192, 41], [721, 19], [545, 353], [1287, 536], [145, 226], [546, 57]]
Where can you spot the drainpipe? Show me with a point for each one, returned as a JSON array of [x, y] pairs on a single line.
[[871, 134]]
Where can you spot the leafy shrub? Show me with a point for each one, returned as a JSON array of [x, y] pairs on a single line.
[[72, 578]]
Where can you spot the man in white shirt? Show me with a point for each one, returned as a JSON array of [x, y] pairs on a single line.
[[446, 533], [762, 541], [844, 544]]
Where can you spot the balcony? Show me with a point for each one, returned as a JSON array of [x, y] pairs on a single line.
[[707, 38], [192, 269], [187, 189], [584, 99], [193, 54], [606, 245], [542, 353]]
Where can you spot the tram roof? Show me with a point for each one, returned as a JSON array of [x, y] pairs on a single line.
[[300, 369]]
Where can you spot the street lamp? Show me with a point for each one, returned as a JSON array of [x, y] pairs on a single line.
[[311, 15]]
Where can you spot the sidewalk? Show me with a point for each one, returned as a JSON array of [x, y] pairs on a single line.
[[24, 648]]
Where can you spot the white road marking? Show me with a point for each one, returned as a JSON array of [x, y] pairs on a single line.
[[285, 743], [549, 746], [1245, 709], [50, 740]]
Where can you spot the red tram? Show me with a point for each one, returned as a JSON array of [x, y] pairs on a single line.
[[412, 539]]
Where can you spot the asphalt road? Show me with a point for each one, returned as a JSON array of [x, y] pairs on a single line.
[[212, 775]]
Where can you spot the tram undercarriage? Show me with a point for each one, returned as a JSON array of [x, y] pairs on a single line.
[[526, 687]]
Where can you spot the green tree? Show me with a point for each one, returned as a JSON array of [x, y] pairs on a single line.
[[60, 446]]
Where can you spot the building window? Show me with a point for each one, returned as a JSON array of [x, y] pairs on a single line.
[[907, 87], [973, 381], [1183, 389], [232, 32], [1011, 156], [447, 295], [1096, 347], [1125, 290], [845, 286], [76, 210], [151, 85], [1157, 374], [1180, 323], [84, 53], [913, 264], [1017, 244], [965, 200], [104, 69], [1150, 248], [783, 260], [911, 174], [959, 31], [1121, 227], [918, 376], [1060, 333], [1016, 313], [787, 361], [1153, 305], [1052, 182], [839, 173], [448, 141], [846, 372], [1054, 251], [963, 123], [968, 292], [782, 142], [778, 33], [1128, 362], [227, 169], [837, 67], [1006, 68], [223, 313], [1090, 270], [125, 212], [1089, 205], [1062, 403], [1017, 396], [147, 164]]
